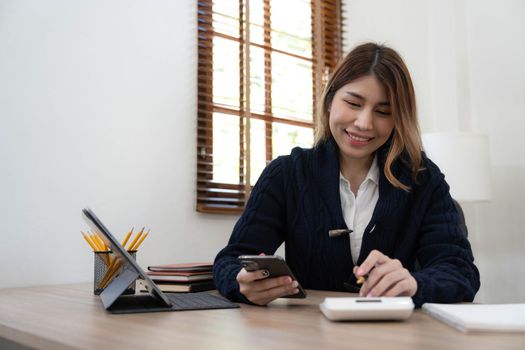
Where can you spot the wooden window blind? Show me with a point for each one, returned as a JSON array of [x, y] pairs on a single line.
[[261, 66]]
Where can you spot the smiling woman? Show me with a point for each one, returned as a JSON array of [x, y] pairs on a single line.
[[389, 80], [366, 175], [360, 123]]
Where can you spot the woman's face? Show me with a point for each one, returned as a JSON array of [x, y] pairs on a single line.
[[360, 118]]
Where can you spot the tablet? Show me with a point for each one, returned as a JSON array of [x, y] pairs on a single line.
[[155, 299]]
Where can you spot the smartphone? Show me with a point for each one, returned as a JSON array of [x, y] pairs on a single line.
[[275, 265]]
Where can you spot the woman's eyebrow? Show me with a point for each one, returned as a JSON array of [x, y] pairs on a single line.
[[382, 103], [354, 95]]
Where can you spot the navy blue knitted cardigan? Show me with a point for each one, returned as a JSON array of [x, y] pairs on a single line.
[[297, 201]]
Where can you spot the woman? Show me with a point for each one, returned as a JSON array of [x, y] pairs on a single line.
[[366, 173]]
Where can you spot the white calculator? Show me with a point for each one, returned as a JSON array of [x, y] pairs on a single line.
[[361, 309]]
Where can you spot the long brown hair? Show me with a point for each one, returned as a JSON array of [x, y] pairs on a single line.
[[387, 66]]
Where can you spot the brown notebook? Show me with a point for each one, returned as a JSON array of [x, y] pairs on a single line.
[[184, 267], [180, 276], [182, 287]]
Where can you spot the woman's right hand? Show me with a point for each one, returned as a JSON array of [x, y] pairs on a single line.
[[260, 290]]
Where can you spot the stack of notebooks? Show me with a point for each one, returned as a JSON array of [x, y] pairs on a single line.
[[186, 277]]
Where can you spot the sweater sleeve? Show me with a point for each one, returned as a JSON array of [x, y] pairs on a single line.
[[260, 229], [447, 273]]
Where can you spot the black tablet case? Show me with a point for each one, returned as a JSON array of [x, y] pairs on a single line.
[[155, 300]]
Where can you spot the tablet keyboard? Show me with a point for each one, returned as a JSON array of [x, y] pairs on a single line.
[[197, 301], [181, 301]]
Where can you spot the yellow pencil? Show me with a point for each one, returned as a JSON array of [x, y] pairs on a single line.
[[126, 238], [111, 273], [89, 241], [101, 242], [94, 239], [104, 248], [132, 244], [108, 272], [139, 242], [93, 244]]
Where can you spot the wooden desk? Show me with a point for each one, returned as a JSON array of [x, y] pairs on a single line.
[[71, 317]]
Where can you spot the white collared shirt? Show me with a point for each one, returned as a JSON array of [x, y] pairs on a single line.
[[358, 210]]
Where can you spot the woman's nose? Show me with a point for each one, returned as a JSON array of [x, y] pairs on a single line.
[[364, 120]]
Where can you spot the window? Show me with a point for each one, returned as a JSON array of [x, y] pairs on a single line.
[[261, 65]]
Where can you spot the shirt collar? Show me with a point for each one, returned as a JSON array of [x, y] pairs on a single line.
[[373, 173]]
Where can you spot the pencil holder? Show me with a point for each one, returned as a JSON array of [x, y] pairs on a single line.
[[107, 267]]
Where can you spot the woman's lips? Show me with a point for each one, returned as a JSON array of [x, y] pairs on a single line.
[[358, 140]]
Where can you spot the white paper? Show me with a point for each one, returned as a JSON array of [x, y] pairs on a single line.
[[480, 317]]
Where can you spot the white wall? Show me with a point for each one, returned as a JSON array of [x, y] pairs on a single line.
[[97, 107], [496, 47], [466, 57], [401, 24]]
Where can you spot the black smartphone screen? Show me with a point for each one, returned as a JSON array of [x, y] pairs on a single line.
[[275, 265]]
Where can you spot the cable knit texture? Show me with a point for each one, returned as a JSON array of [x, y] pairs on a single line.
[[297, 201]]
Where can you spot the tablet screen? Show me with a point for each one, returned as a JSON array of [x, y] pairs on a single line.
[[120, 253]]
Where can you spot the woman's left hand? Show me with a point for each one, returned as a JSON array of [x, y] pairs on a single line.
[[386, 277]]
